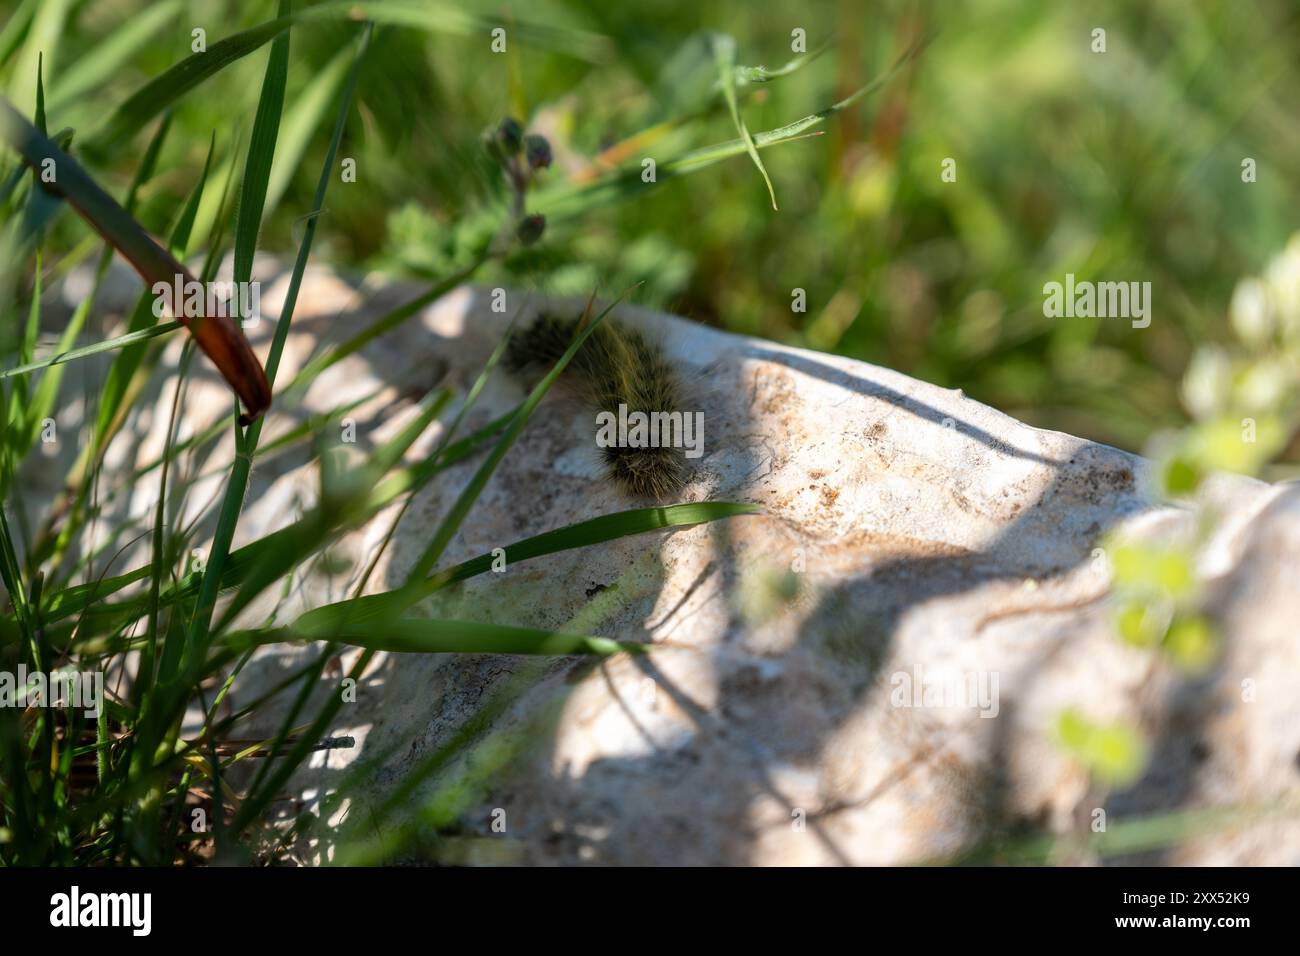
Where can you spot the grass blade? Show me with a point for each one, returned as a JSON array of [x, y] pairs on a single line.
[[247, 443], [43, 40], [301, 122], [261, 152], [108, 345], [380, 326], [456, 515], [12, 34], [724, 52], [168, 87], [446, 637], [219, 337], [373, 607], [107, 58], [573, 198]]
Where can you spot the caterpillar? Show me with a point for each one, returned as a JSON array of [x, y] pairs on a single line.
[[616, 366]]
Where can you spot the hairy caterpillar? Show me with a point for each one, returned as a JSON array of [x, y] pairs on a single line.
[[617, 365]]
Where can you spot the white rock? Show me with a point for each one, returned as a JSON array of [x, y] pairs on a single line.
[[937, 535]]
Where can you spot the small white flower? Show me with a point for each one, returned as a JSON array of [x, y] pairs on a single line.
[[1251, 313], [1265, 385], [1208, 382], [1283, 278]]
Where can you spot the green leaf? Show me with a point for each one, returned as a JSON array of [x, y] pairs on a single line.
[[300, 123], [12, 34], [106, 59], [1140, 624], [108, 345], [761, 74], [47, 30], [1114, 753], [610, 527], [567, 200], [446, 637], [1193, 643], [171, 85], [724, 53], [165, 89], [18, 434], [261, 153], [1179, 477], [40, 96], [1226, 443]]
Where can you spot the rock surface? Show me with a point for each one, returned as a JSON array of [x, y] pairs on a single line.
[[907, 532]]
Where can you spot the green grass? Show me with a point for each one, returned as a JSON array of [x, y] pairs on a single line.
[[61, 613]]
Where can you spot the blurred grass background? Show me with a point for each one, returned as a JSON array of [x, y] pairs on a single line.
[[1123, 165]]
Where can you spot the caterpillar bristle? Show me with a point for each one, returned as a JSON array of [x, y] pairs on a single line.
[[617, 365], [646, 472]]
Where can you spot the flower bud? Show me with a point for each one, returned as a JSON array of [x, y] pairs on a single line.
[[537, 150], [531, 228], [510, 135]]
